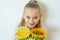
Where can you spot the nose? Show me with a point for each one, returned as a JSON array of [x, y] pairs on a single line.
[[31, 20]]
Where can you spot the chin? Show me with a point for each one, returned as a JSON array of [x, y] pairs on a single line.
[[31, 26]]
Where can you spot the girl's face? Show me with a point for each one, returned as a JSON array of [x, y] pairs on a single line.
[[31, 17]]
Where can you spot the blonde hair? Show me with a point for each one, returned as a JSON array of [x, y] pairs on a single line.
[[31, 4]]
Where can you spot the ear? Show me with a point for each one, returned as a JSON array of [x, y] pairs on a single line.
[[40, 16], [23, 15]]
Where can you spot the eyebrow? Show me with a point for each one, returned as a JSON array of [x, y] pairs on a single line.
[[33, 16]]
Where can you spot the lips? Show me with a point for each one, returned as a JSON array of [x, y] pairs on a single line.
[[31, 24]]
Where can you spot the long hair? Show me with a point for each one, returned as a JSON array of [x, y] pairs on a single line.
[[31, 4]]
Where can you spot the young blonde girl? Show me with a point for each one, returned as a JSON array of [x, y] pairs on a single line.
[[31, 15]]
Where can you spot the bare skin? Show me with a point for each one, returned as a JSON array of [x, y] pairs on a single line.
[[31, 16]]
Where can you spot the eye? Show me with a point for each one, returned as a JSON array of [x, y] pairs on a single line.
[[35, 17], [27, 17]]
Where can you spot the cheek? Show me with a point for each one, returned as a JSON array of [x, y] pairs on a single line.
[[36, 21], [26, 20]]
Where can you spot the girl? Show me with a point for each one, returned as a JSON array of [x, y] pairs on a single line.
[[31, 15]]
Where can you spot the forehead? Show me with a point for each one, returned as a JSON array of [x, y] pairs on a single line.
[[31, 12]]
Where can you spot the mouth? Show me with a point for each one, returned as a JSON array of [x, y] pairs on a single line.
[[31, 24]]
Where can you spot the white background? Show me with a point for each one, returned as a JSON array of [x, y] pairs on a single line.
[[11, 12]]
